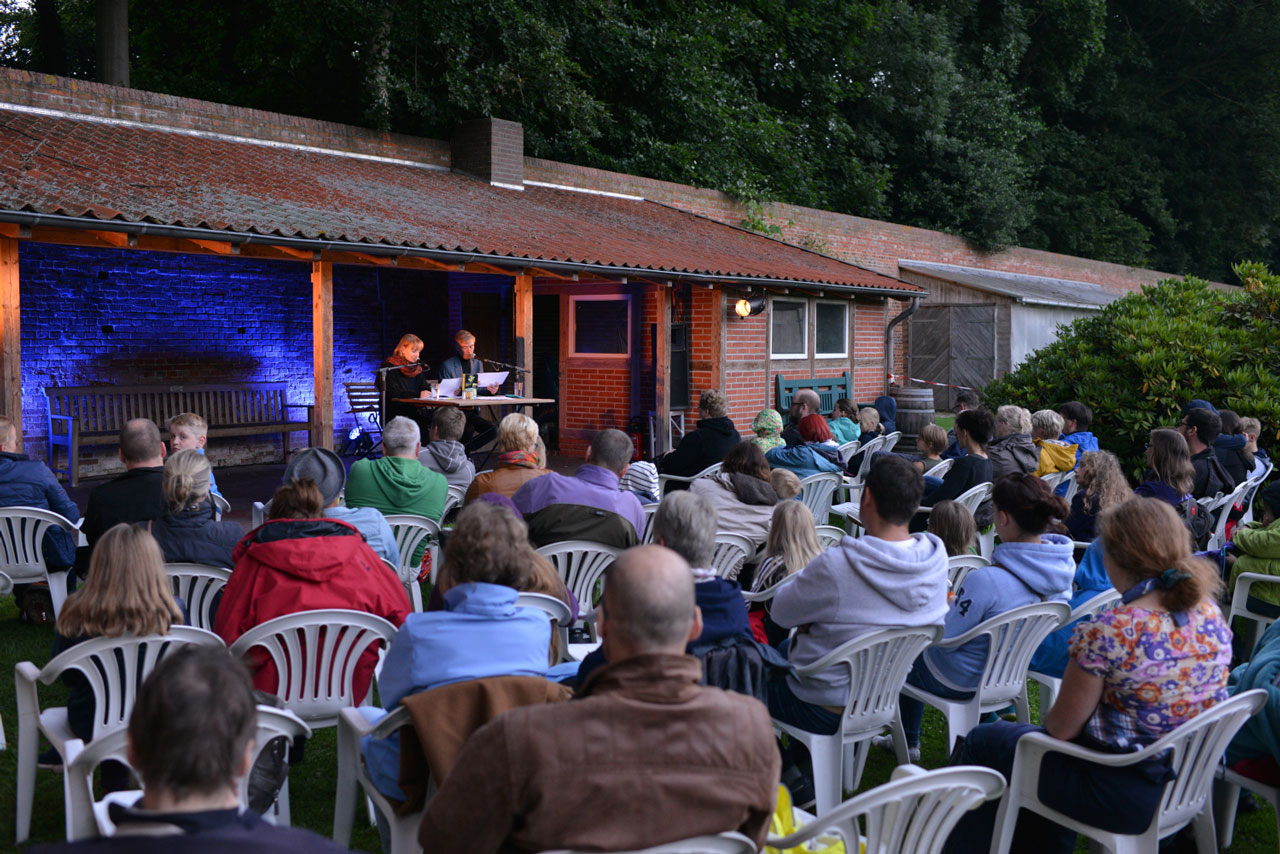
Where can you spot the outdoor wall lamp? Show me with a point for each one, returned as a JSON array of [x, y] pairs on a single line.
[[748, 306]]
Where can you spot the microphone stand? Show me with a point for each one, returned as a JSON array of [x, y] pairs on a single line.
[[382, 385], [505, 365]]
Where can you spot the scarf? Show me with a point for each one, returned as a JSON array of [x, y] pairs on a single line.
[[523, 459], [409, 369]]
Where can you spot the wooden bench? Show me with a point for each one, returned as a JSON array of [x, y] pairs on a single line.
[[94, 415], [829, 390]]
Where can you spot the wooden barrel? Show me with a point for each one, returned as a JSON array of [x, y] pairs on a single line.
[[915, 409]]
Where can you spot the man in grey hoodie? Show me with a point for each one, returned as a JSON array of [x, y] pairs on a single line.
[[445, 453], [889, 578]]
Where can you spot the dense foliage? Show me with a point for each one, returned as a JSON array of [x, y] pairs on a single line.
[[1140, 360], [1139, 131]]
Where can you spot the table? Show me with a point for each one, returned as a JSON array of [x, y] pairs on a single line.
[[525, 403]]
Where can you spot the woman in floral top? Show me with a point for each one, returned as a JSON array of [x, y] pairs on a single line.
[[1136, 672]]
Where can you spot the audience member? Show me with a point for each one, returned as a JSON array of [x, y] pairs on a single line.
[[1200, 427], [930, 442], [1076, 418], [844, 427], [300, 561], [1029, 565], [792, 543], [786, 483], [397, 482], [965, 399], [1090, 579], [973, 431], [889, 578], [887, 409], [187, 532], [952, 523], [641, 479], [1169, 478], [444, 453], [707, 444], [1254, 751], [480, 633], [1255, 547], [25, 482], [522, 783], [767, 425], [1012, 451], [588, 505], [520, 458], [1100, 484], [869, 422], [740, 493], [816, 454], [325, 469], [1122, 690], [1252, 429], [189, 431], [1232, 447], [1055, 454], [804, 402], [135, 496], [126, 594], [191, 741]]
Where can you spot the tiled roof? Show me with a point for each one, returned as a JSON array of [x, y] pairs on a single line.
[[1024, 288], [82, 167]]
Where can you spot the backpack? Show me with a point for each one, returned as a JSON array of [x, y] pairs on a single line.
[[1198, 522]]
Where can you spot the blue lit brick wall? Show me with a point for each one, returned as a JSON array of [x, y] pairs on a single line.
[[124, 317]]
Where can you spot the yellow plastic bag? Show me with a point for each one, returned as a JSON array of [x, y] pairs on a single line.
[[783, 823]]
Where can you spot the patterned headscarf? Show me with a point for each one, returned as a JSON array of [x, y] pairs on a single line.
[[768, 428]]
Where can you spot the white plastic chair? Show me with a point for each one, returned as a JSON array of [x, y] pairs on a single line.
[[891, 441], [961, 565], [1072, 486], [1218, 538], [114, 669], [767, 594], [1054, 479], [22, 531], [817, 492], [1047, 684], [1226, 797], [1197, 746], [581, 564], [558, 611], [971, 498], [868, 448], [664, 479], [353, 773], [453, 499], [261, 510], [315, 654], [410, 532], [220, 505], [731, 551], [6, 587], [877, 665], [1257, 482], [197, 585], [1012, 638], [913, 813], [941, 469], [1240, 607], [846, 452], [829, 535], [731, 842], [649, 510]]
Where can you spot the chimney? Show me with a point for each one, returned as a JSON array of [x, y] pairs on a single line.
[[113, 42], [492, 150]]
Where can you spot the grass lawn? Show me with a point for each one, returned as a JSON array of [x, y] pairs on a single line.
[[312, 783]]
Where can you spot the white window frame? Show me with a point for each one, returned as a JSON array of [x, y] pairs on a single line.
[[833, 355], [804, 328], [574, 299]]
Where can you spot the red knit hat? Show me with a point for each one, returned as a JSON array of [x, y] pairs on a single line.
[[813, 428]]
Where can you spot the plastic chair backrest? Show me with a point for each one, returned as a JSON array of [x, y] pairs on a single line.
[[6, 584], [868, 448], [1219, 536], [1054, 479], [829, 535], [1240, 602], [115, 668], [817, 492], [877, 665], [891, 441], [731, 551], [1256, 482], [22, 531], [198, 586], [961, 565], [911, 814], [315, 654], [1014, 637], [650, 510], [724, 843], [554, 608], [410, 531], [941, 468], [220, 505], [580, 564], [1072, 486], [1095, 604], [261, 509], [664, 479], [454, 498], [973, 498], [846, 451]]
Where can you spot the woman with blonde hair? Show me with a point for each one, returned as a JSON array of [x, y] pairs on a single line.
[[187, 532], [126, 594], [521, 458], [401, 375], [791, 544], [1101, 484]]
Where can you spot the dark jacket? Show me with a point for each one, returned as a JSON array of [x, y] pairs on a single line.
[[643, 755], [967, 472], [1211, 477], [559, 522], [888, 409], [400, 386], [1082, 518], [705, 446], [1012, 454], [1229, 450], [134, 496], [25, 482], [141, 832], [193, 536]]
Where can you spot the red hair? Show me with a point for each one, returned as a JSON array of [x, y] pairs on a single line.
[[813, 428]]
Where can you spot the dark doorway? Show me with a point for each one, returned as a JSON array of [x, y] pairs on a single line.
[[483, 316], [546, 364]]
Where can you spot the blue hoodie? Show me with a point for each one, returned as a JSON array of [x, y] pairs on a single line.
[[1021, 573], [805, 460], [1083, 440], [888, 409], [1091, 579]]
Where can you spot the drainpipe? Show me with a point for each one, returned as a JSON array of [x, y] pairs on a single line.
[[888, 338]]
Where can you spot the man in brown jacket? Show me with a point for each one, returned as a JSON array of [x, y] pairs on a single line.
[[644, 755]]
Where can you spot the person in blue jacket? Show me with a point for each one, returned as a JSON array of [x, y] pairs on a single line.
[[819, 452], [1091, 579], [1076, 418]]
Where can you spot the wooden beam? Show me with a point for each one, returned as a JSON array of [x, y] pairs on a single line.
[[662, 373], [218, 247], [10, 336], [412, 262], [524, 328], [288, 253], [322, 364], [112, 238]]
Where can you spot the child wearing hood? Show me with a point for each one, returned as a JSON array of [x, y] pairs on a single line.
[[1076, 418], [843, 426], [767, 426], [1028, 566], [446, 454]]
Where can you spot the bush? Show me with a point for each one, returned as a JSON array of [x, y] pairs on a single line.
[[1138, 361]]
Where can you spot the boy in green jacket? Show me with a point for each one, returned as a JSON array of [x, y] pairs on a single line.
[[1256, 548]]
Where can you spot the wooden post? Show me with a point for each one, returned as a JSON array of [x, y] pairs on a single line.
[[10, 336], [524, 330], [662, 374], [322, 341]]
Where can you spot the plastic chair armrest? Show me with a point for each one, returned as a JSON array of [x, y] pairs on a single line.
[[1039, 744], [25, 676]]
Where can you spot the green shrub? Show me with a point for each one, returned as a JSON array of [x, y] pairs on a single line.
[[1138, 361]]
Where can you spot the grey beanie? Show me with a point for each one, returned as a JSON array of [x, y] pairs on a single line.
[[321, 465]]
